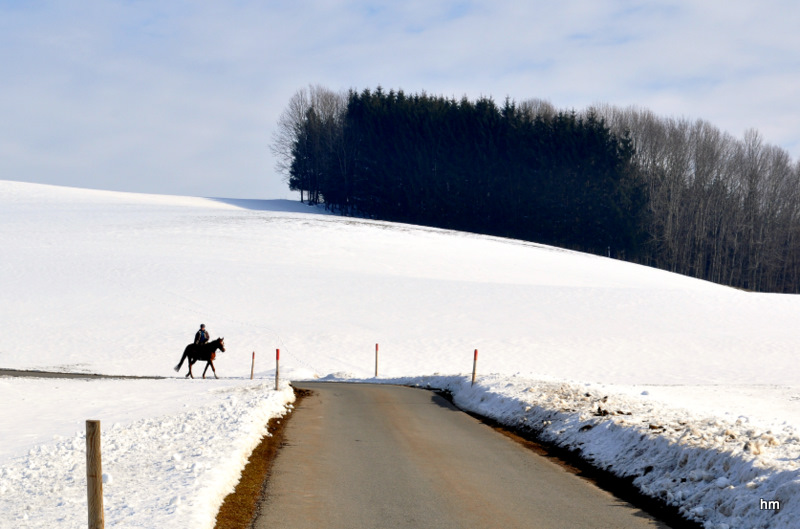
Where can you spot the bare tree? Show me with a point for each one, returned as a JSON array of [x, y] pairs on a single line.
[[315, 103], [721, 209], [290, 124], [534, 108]]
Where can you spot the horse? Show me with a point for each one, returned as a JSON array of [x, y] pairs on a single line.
[[205, 351]]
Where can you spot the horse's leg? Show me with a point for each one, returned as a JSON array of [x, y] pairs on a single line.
[[189, 374], [206, 369], [210, 363]]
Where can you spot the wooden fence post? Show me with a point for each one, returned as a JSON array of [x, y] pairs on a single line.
[[277, 367], [94, 475], [474, 366], [253, 365]]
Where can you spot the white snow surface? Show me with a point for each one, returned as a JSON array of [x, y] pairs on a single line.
[[688, 387]]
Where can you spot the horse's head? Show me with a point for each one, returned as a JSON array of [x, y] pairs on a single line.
[[221, 344]]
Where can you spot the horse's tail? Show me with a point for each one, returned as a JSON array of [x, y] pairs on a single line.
[[185, 354]]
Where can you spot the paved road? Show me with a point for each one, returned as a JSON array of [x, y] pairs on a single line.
[[374, 456]]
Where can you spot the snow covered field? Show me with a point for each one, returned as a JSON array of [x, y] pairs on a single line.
[[690, 386]]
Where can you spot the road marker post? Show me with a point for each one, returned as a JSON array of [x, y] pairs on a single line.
[[376, 360], [277, 367], [94, 475], [253, 365], [474, 366]]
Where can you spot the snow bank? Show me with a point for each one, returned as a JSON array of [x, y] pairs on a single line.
[[161, 471]]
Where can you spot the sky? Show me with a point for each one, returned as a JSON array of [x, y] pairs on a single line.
[[183, 97]]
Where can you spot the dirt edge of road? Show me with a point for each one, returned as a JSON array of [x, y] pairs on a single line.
[[572, 461], [238, 509]]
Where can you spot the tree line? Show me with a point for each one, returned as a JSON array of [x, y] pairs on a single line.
[[670, 193], [474, 166], [719, 208]]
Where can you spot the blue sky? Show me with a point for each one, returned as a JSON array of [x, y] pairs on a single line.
[[183, 97]]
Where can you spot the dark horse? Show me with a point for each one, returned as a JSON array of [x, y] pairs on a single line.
[[206, 351]]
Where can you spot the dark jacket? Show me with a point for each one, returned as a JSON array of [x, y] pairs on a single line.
[[201, 337]]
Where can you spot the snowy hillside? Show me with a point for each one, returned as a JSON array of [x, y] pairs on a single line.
[[116, 283]]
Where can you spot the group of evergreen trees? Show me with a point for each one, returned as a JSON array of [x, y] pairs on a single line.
[[668, 193], [471, 166]]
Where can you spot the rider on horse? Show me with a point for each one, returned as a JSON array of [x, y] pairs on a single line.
[[202, 349], [201, 336]]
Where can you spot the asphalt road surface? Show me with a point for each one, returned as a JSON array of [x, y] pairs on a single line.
[[377, 456]]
